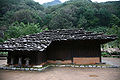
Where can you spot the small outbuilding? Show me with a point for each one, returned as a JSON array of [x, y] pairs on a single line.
[[56, 46]]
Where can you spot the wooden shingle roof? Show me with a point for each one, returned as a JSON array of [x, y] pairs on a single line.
[[40, 41]]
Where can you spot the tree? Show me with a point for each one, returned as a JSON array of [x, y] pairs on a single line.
[[20, 29], [115, 30], [82, 22], [114, 20], [64, 18], [104, 17]]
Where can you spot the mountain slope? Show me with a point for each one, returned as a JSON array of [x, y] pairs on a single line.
[[55, 2]]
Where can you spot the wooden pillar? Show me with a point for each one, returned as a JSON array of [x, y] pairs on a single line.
[[100, 57], [72, 55], [100, 53]]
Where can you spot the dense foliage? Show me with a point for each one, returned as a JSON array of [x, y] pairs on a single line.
[[23, 17]]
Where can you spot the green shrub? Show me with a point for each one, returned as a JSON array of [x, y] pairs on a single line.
[[3, 53], [105, 53]]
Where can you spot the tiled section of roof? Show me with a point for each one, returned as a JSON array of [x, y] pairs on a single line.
[[42, 40]]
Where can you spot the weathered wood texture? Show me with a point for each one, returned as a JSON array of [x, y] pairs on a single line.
[[67, 50]]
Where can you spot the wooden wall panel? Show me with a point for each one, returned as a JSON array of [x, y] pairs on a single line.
[[59, 51], [67, 50]]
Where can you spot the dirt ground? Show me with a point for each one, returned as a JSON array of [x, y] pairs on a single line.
[[65, 73]]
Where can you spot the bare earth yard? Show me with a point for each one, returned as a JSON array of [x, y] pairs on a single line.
[[65, 73]]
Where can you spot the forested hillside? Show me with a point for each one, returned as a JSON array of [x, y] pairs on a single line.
[[23, 17]]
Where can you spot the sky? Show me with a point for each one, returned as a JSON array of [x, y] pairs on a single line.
[[44, 1]]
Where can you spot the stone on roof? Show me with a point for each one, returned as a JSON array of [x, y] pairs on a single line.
[[40, 41]]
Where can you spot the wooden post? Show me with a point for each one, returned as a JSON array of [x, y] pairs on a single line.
[[100, 53]]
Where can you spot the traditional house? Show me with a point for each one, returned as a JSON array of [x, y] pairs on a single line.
[[56, 46]]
